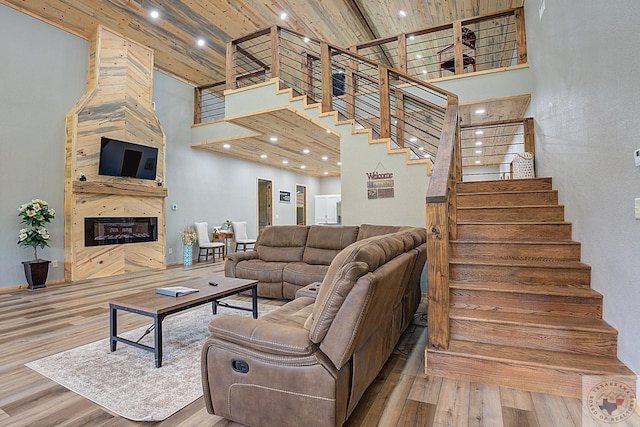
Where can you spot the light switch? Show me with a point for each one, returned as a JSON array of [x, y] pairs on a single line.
[[637, 208]]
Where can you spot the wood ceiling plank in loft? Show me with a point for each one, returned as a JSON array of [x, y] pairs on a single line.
[[251, 148], [291, 127]]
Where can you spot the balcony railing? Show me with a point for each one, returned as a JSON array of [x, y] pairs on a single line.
[[486, 42]]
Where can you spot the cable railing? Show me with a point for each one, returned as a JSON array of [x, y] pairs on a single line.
[[488, 149], [209, 102], [486, 42]]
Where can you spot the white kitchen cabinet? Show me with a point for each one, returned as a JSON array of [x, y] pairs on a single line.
[[328, 209]]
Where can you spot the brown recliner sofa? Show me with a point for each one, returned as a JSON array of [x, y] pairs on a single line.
[[289, 257], [310, 361]]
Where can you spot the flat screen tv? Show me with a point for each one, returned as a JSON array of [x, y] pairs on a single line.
[[120, 158]]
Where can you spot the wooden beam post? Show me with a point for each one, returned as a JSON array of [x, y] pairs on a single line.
[[402, 52], [197, 105], [231, 65], [521, 43], [457, 48], [326, 78], [275, 52], [385, 101]]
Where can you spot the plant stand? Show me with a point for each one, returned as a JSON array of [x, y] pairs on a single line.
[[36, 272]]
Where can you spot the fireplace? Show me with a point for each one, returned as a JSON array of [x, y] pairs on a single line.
[[119, 230]]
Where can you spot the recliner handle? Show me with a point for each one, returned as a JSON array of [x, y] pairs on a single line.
[[239, 366]]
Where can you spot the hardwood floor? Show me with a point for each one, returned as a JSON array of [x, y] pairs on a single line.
[[34, 324]]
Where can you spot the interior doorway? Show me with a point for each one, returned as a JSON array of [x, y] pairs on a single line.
[[265, 203], [301, 204]]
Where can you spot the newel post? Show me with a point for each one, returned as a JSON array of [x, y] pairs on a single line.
[[275, 52], [231, 65], [385, 100], [438, 274]]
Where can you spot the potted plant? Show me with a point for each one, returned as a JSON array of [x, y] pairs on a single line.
[[35, 215], [189, 237]]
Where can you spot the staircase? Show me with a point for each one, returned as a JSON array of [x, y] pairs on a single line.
[[522, 313]]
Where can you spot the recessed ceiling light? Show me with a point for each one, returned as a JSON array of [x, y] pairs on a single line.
[[305, 151], [427, 156], [421, 148], [283, 15], [328, 130], [154, 14], [201, 42], [419, 56], [325, 158], [326, 173], [263, 156], [478, 151], [303, 167], [306, 39], [273, 139], [480, 111], [477, 162], [285, 162], [412, 37], [402, 13], [478, 143], [424, 71], [226, 145], [413, 139], [339, 163], [479, 132]]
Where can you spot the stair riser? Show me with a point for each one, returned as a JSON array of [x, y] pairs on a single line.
[[507, 199], [514, 251], [512, 214], [514, 232], [536, 337], [513, 375], [526, 303], [539, 184], [521, 274]]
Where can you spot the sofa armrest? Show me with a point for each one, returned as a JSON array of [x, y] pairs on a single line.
[[234, 258], [263, 336], [309, 291]]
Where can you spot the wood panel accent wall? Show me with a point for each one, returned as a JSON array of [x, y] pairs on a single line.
[[117, 104]]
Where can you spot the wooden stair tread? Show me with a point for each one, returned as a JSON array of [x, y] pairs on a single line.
[[519, 223], [579, 363], [516, 242], [493, 207], [560, 264], [531, 289], [557, 322]]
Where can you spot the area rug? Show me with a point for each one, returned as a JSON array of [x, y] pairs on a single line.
[[126, 382]]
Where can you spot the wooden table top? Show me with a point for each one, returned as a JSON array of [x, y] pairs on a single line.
[[150, 302]]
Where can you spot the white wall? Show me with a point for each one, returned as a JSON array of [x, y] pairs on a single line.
[[42, 75], [585, 100]]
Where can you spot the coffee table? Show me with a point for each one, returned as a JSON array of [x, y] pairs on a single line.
[[156, 306]]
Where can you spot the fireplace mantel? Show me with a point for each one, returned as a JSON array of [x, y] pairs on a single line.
[[118, 188]]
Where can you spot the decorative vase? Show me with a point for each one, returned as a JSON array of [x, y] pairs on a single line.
[[187, 254], [36, 272]]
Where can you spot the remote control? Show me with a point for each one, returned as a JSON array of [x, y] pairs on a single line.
[[212, 283]]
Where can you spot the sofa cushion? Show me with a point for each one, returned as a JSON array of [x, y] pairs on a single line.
[[369, 230], [325, 241], [301, 273], [282, 243], [257, 269]]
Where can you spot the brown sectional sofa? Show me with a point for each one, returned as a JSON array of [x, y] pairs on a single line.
[[310, 361], [289, 257]]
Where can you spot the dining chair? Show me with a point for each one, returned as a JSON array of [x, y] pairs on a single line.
[[206, 245], [240, 235]]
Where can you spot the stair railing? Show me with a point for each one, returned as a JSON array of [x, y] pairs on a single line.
[[392, 104], [413, 114]]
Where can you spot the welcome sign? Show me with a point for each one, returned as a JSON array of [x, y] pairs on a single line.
[[380, 183]]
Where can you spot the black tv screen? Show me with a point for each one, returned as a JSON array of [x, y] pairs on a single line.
[[120, 158]]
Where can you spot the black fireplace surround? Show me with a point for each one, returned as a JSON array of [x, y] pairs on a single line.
[[119, 230]]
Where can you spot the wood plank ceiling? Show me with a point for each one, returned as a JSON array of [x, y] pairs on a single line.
[[173, 35]]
